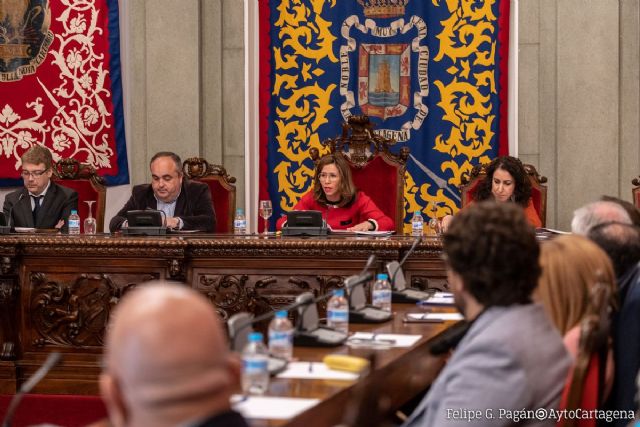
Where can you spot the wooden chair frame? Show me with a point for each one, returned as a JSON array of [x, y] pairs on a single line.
[[635, 192], [359, 145], [468, 182], [199, 169], [73, 170]]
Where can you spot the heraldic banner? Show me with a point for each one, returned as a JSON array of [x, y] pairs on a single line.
[[430, 74], [60, 85]]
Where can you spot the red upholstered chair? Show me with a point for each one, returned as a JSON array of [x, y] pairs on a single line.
[[376, 171], [83, 179], [636, 192], [221, 185], [470, 183], [585, 383], [52, 409]]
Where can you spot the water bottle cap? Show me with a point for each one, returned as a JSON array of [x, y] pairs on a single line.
[[74, 212], [281, 314], [382, 276], [255, 336], [239, 211], [417, 213], [338, 292]]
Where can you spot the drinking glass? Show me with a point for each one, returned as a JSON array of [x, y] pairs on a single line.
[[90, 224], [265, 212]]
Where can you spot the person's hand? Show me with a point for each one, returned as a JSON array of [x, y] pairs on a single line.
[[445, 222], [363, 226], [60, 224], [172, 222]]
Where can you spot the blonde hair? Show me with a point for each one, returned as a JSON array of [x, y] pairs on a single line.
[[570, 267]]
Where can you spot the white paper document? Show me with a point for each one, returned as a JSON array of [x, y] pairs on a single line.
[[315, 371], [435, 317], [273, 408], [439, 298], [391, 340]]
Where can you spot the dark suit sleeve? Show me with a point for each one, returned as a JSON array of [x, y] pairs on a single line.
[[7, 207], [116, 222], [200, 214]]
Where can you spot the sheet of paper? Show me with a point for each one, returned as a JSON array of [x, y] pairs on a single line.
[[316, 371], [439, 298], [273, 408], [375, 233], [444, 317], [392, 340]]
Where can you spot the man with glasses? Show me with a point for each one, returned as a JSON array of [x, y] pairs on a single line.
[[187, 204], [41, 203]]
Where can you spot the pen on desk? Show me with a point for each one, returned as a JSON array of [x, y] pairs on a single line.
[[423, 302], [310, 367]]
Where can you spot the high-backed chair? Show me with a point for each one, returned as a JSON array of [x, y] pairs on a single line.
[[88, 184], [375, 170], [585, 383], [636, 192], [470, 183], [221, 185]]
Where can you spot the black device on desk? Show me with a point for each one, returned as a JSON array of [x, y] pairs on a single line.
[[308, 332], [359, 310], [400, 293], [148, 222], [305, 223]]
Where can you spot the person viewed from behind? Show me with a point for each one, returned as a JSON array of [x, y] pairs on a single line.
[[592, 214], [342, 205], [167, 361], [41, 203], [187, 204], [571, 266], [506, 181], [511, 358]]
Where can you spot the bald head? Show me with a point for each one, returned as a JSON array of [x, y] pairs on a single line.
[[588, 216], [167, 356]]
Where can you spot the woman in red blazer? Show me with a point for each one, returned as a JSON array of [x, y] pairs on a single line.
[[341, 204]]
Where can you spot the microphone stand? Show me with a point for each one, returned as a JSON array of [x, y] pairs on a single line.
[[52, 360], [400, 293]]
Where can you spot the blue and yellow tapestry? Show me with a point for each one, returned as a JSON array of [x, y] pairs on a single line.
[[430, 74]]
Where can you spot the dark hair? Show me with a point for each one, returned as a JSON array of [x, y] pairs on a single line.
[[494, 249], [38, 154], [347, 189], [620, 241], [522, 190], [634, 212], [176, 159]]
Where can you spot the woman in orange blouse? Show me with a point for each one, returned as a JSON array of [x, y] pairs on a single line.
[[506, 181]]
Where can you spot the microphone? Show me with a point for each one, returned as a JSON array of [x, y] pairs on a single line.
[[450, 338], [52, 360], [400, 292], [6, 229], [359, 310], [309, 333]]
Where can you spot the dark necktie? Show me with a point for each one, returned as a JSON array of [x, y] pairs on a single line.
[[36, 207]]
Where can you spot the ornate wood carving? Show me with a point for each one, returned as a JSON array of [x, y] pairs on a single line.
[[9, 291], [177, 270], [73, 169]]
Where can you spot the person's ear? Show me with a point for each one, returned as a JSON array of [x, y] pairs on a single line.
[[235, 368], [113, 400]]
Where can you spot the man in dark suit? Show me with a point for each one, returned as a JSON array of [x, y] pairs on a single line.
[[168, 370], [41, 203], [186, 204]]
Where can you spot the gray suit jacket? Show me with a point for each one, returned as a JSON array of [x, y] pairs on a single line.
[[512, 358], [57, 205]]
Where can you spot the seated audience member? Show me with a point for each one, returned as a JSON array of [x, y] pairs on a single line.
[[570, 267], [41, 203], [595, 213], [512, 357], [622, 243], [186, 204], [342, 205], [167, 361], [632, 211], [506, 181]]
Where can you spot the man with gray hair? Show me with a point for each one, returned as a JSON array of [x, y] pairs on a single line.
[[167, 361], [596, 213]]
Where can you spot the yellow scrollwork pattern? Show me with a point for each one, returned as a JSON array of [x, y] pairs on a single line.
[[306, 40], [467, 41]]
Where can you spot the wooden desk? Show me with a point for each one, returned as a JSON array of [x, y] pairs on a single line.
[[57, 292]]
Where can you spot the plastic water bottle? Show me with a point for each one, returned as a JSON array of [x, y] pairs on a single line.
[[281, 336], [74, 222], [417, 224], [240, 222], [255, 370], [338, 312], [381, 292]]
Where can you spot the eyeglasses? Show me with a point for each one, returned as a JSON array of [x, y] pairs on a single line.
[[328, 176], [33, 174]]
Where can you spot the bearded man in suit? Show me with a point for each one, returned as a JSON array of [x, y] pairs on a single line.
[[187, 204], [41, 203]]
